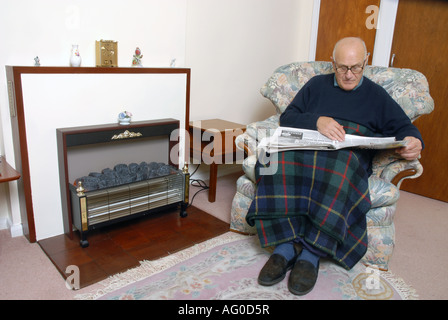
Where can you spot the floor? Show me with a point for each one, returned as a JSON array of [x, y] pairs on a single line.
[[117, 248], [420, 257]]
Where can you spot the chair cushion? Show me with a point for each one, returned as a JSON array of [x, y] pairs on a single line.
[[287, 80], [409, 88]]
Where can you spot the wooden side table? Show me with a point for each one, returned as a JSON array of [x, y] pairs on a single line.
[[212, 142]]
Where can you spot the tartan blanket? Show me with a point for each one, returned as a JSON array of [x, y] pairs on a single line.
[[321, 197]]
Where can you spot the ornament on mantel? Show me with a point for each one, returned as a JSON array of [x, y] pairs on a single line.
[[36, 61], [124, 117], [137, 59], [75, 58]]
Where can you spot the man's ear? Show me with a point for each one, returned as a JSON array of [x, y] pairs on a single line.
[[366, 62]]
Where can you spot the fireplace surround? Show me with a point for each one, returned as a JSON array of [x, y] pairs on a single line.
[[43, 99]]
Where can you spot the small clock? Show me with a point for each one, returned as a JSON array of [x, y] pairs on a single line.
[[106, 53]]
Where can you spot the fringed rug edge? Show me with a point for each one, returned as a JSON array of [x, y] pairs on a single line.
[[151, 267]]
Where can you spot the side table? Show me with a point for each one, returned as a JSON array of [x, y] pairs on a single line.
[[212, 142]]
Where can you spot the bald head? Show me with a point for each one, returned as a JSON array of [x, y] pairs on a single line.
[[350, 45], [349, 52]]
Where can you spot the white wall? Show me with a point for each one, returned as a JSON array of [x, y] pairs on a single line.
[[48, 28], [231, 46]]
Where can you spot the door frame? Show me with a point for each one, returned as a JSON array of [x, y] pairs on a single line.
[[384, 33]]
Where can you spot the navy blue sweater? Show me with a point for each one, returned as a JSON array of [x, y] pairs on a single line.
[[369, 105]]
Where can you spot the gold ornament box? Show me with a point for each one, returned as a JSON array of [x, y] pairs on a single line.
[[106, 53]]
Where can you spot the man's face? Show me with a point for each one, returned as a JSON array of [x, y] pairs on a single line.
[[348, 65]]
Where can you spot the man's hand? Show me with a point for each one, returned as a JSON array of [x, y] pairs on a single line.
[[330, 128], [412, 149]]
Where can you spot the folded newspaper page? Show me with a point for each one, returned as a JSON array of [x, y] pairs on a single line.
[[285, 138]]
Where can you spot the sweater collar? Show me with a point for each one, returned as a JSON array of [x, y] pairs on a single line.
[[359, 84]]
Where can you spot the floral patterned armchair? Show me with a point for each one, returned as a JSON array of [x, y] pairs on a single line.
[[408, 87]]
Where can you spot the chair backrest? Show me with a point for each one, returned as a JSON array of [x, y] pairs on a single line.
[[408, 87]]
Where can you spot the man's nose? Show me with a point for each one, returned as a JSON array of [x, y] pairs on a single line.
[[349, 74]]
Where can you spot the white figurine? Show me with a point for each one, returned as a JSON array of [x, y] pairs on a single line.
[[137, 60]]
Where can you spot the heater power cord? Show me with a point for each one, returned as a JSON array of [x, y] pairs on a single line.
[[197, 183]]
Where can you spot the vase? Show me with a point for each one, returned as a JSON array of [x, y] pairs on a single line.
[[75, 58], [125, 121]]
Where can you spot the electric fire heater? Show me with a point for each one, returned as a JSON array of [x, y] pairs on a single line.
[[128, 190], [101, 207]]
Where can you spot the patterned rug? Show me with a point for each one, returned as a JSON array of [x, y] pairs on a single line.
[[227, 267]]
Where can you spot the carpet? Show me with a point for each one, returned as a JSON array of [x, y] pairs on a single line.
[[227, 267]]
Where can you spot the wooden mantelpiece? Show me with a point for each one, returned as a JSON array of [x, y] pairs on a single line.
[[19, 132]]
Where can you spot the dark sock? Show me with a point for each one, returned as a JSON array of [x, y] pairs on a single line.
[[286, 250], [309, 256]]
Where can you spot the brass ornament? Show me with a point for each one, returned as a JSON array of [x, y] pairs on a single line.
[[125, 135]]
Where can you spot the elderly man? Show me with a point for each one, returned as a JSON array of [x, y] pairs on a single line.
[[315, 205]]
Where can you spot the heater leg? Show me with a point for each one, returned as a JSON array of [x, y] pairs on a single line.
[[83, 242], [183, 209]]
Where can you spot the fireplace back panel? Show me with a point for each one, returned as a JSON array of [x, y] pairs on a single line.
[[101, 155]]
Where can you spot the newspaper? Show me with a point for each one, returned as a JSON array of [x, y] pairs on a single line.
[[285, 138]]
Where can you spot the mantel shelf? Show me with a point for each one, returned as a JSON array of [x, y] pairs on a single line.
[[61, 69]]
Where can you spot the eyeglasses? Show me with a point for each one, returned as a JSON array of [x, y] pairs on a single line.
[[344, 69]]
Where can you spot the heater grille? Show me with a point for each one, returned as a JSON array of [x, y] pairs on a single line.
[[97, 208], [117, 202]]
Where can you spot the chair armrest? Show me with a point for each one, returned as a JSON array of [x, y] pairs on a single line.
[[256, 131], [406, 174], [400, 170], [246, 143], [389, 166]]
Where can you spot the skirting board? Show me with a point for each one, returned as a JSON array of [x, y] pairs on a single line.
[[15, 229], [3, 224]]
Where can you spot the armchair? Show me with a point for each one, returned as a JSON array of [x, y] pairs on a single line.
[[408, 87]]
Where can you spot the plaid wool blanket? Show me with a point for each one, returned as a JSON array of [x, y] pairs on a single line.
[[321, 197]]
